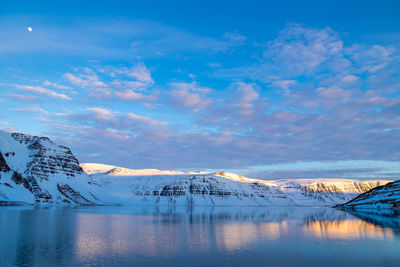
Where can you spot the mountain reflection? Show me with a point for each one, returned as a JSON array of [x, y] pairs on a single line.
[[82, 236]]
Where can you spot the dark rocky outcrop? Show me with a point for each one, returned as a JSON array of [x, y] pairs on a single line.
[[3, 164], [72, 195]]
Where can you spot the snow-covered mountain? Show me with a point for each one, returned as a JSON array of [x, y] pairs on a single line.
[[382, 197], [35, 170], [140, 187]]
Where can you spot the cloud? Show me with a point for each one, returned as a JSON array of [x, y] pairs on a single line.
[[101, 113], [86, 78], [144, 119], [306, 95], [139, 72], [42, 91], [99, 93], [130, 95], [24, 98], [106, 82], [245, 96], [190, 95], [304, 49]]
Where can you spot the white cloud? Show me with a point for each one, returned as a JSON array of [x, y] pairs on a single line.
[[43, 91], [56, 85], [84, 80], [101, 113], [140, 72]]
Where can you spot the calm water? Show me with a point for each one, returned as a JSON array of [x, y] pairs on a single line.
[[202, 236]]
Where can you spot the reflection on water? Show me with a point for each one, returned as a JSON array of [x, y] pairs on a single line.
[[123, 236], [349, 229]]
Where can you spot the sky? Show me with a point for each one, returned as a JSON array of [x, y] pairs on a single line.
[[269, 89]]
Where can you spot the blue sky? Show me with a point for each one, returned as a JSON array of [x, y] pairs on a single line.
[[270, 89]]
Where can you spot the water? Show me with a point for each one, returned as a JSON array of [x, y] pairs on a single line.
[[201, 236]]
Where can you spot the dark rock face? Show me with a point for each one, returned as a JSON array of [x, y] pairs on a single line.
[[205, 185], [48, 158], [3, 164], [17, 178]]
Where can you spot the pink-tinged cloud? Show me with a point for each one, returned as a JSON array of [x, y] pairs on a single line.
[[145, 120]]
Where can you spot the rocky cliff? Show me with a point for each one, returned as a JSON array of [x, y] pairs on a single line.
[[35, 170]]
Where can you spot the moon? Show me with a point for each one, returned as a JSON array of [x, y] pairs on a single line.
[[29, 29]]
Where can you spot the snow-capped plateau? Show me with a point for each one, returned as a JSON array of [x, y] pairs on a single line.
[[96, 168], [382, 197], [35, 170], [223, 188]]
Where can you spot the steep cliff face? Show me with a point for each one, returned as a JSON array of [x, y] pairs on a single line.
[[36, 170], [382, 197]]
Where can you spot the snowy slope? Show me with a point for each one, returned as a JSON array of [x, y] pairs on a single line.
[[382, 197], [223, 188], [36, 170]]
